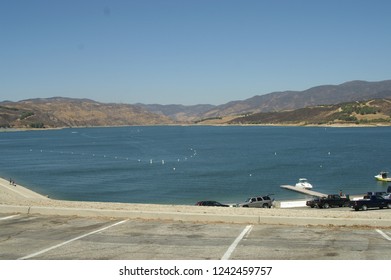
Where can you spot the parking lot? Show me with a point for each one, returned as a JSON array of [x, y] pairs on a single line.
[[81, 238]]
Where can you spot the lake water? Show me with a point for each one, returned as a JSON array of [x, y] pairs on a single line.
[[185, 164]]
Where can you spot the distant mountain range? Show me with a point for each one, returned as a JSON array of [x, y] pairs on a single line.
[[279, 101], [290, 100], [179, 113], [68, 112], [276, 107], [369, 112]]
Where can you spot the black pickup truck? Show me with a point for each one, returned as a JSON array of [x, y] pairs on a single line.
[[332, 200], [371, 201]]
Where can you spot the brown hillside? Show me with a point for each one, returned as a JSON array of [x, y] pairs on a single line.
[[377, 111], [64, 112]]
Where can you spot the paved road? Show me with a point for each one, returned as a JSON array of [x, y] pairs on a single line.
[[62, 237]]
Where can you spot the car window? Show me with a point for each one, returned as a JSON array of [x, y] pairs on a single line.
[[266, 198], [259, 198]]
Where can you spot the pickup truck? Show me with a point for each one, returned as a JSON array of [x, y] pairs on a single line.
[[372, 201], [332, 200]]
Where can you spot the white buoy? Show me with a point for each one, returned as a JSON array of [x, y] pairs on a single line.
[[162, 161]]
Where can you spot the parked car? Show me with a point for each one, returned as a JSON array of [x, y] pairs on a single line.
[[371, 201], [332, 200], [211, 203], [257, 201]]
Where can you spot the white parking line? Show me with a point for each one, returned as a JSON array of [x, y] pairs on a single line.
[[69, 241], [232, 248], [9, 217], [383, 234]]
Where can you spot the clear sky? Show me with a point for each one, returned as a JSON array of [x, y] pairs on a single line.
[[188, 51]]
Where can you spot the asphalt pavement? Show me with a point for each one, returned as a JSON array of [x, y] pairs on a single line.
[[48, 237]]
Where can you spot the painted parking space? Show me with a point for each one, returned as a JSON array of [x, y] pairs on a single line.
[[313, 243], [43, 237], [66, 242], [76, 238], [152, 241], [24, 234], [385, 234], [7, 217]]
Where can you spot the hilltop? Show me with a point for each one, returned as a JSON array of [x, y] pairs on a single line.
[[275, 102], [371, 112], [69, 112], [291, 100]]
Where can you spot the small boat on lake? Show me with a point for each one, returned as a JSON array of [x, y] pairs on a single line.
[[303, 183], [383, 176]]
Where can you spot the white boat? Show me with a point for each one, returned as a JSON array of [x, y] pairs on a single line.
[[383, 176], [303, 183]]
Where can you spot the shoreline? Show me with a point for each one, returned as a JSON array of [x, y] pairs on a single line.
[[19, 199], [334, 125]]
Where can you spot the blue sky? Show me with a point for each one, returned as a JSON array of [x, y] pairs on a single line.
[[188, 51]]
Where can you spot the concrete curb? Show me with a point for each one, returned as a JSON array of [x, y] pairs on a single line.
[[171, 216], [195, 217]]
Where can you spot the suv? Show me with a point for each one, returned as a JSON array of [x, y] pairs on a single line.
[[258, 201]]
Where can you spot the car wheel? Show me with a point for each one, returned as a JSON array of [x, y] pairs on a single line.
[[265, 206], [364, 207], [389, 205], [245, 206], [356, 209], [326, 205]]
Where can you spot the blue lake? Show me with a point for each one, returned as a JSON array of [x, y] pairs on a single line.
[[184, 164]]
